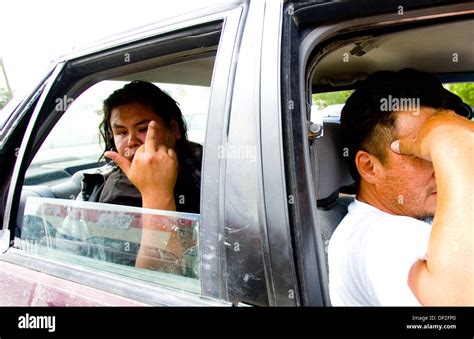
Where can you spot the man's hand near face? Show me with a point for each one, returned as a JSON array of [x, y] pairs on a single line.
[[447, 275]]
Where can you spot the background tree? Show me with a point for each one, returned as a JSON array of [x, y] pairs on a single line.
[[465, 91], [4, 97], [323, 100]]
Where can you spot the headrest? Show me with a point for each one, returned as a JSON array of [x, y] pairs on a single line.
[[329, 165]]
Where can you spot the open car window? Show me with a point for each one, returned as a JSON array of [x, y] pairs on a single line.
[[55, 224], [75, 143]]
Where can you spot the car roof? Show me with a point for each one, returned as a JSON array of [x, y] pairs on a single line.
[[418, 48], [195, 11]]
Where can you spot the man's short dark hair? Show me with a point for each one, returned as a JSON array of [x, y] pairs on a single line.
[[149, 95], [365, 125]]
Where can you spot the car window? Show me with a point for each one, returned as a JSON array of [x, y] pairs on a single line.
[[72, 143], [193, 102], [105, 236], [196, 124], [328, 106], [108, 237]]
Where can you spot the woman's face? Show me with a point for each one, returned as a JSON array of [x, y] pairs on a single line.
[[129, 124]]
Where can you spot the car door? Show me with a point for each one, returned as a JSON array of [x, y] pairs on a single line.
[[194, 50]]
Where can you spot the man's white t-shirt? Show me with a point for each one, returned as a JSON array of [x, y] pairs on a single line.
[[370, 256]]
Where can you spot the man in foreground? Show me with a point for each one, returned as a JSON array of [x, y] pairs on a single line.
[[410, 164]]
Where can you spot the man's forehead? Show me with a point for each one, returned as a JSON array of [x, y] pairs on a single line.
[[408, 123]]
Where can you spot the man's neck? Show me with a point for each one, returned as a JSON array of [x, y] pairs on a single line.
[[370, 197]]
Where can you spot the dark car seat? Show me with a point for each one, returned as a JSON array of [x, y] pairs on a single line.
[[331, 173]]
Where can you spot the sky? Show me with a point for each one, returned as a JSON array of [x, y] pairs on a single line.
[[35, 33]]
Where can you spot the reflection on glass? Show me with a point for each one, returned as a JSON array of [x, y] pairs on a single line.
[[112, 234]]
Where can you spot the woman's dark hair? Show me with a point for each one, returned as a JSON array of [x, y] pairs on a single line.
[[148, 95], [365, 125]]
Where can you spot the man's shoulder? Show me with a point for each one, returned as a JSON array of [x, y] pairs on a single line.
[[369, 251], [359, 213], [364, 221], [362, 211]]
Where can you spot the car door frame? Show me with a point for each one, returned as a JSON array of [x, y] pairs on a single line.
[[331, 18], [232, 18]]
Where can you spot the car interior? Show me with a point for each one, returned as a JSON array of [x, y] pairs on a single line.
[[441, 48]]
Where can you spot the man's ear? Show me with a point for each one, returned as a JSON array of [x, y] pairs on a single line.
[[175, 129], [368, 166]]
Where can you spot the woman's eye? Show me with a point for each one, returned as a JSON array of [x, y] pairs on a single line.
[[143, 129]]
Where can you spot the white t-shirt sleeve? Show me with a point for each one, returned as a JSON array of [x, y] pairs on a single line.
[[396, 245]]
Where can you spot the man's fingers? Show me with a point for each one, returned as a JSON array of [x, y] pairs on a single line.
[[395, 146], [150, 140], [403, 146], [120, 160]]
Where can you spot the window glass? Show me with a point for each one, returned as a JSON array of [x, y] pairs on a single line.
[[193, 102], [108, 237], [328, 106]]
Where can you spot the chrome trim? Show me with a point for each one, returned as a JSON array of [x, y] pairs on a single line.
[[24, 144]]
